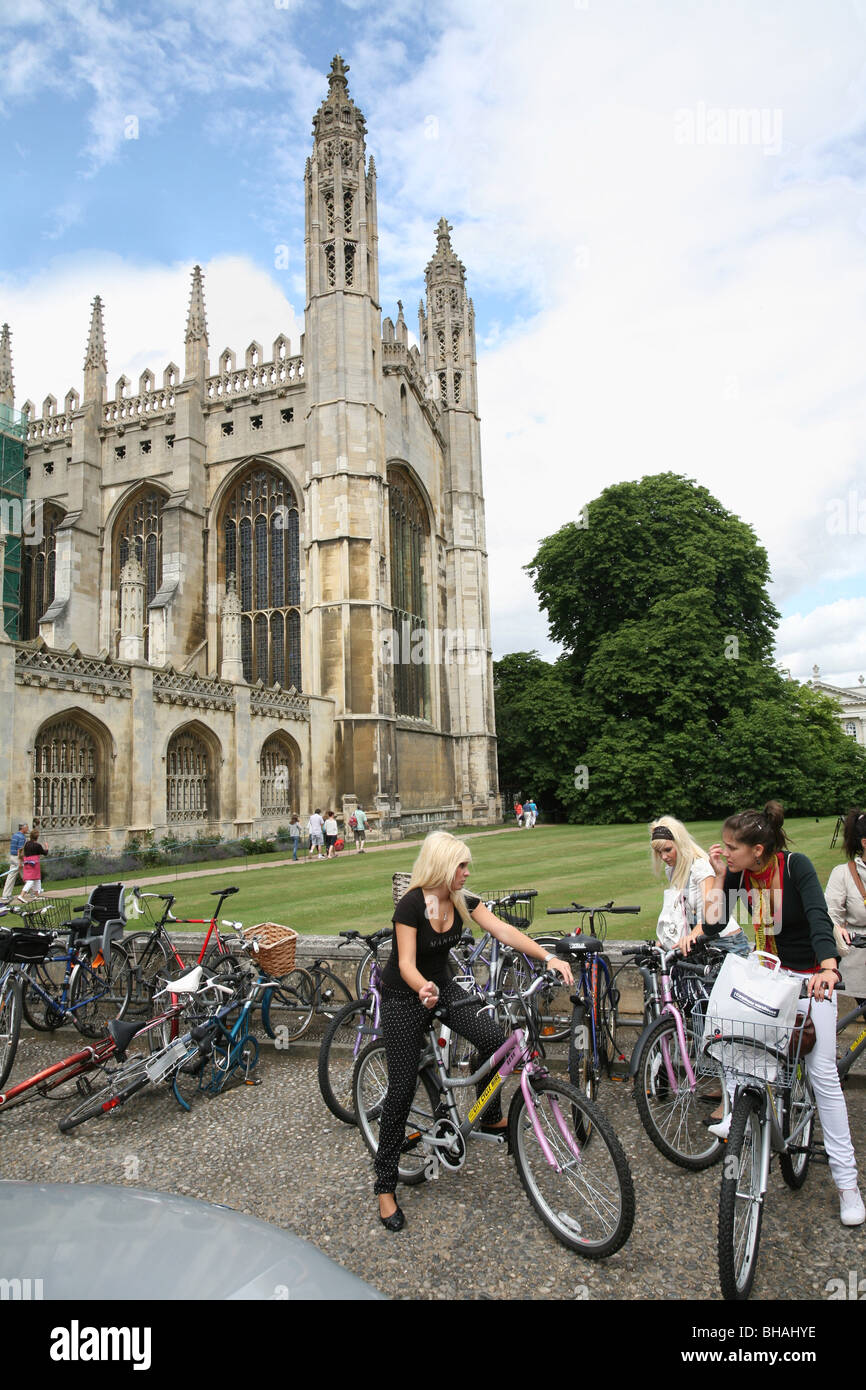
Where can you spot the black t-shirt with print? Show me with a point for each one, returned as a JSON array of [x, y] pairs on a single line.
[[432, 947]]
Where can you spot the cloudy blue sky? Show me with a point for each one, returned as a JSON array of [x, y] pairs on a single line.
[[661, 208]]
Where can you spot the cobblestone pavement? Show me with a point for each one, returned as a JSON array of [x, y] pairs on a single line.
[[274, 1151]]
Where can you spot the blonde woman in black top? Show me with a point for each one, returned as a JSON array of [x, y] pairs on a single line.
[[429, 920]]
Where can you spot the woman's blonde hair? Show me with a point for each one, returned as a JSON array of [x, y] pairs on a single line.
[[440, 857], [688, 850]]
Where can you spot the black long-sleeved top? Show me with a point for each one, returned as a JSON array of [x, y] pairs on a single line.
[[805, 935]]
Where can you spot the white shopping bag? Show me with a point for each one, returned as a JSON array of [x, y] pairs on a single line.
[[672, 923], [751, 1001]]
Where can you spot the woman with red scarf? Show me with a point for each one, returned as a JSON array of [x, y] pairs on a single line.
[[791, 921]]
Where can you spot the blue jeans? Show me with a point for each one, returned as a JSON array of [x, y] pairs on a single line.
[[737, 942]]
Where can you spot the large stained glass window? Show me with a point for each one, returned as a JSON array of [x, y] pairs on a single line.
[[138, 532], [260, 537], [37, 573], [64, 776], [412, 654]]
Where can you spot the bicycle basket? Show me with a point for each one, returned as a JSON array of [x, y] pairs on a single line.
[[276, 947], [24, 945], [752, 1051], [519, 914]]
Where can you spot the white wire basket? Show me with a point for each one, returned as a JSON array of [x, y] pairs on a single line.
[[752, 1051]]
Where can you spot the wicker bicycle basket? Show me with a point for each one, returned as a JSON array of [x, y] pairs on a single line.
[[276, 947]]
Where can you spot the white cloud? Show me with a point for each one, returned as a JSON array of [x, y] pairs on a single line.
[[832, 637], [145, 310]]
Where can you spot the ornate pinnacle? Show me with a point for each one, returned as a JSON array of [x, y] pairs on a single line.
[[338, 72], [95, 356], [6, 385], [196, 323], [443, 238]]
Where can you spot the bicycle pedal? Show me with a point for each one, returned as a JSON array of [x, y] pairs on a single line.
[[252, 1081]]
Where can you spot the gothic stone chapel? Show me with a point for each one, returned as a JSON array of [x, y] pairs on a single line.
[[263, 590]]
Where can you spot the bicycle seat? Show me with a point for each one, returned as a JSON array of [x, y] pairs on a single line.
[[578, 945], [123, 1033], [186, 984]]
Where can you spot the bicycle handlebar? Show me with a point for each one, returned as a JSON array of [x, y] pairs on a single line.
[[578, 907]]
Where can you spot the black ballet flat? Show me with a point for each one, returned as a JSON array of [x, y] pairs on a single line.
[[395, 1222]]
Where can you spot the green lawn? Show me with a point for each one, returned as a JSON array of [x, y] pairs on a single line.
[[588, 864]]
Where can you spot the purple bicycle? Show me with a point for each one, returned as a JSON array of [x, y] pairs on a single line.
[[580, 1187]]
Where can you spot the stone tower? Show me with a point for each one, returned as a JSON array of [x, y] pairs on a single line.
[[345, 475]]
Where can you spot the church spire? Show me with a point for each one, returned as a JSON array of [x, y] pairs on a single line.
[[7, 389], [448, 328], [196, 327], [95, 362]]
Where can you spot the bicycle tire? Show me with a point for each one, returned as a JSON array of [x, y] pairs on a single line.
[[98, 994], [45, 1015], [554, 1025], [150, 964], [342, 1044], [795, 1167], [369, 1088], [10, 1024], [289, 1005], [741, 1203], [674, 1115], [589, 1202], [127, 1081], [607, 999], [186, 1083], [331, 992], [362, 972]]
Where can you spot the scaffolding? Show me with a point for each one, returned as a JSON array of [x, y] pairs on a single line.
[[13, 431]]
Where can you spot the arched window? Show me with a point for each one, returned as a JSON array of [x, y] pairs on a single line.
[[37, 574], [408, 534], [64, 776], [138, 532], [260, 540], [187, 763], [278, 776]]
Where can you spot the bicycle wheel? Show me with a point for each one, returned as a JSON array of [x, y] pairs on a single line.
[[586, 1196], [129, 1078], [42, 987], [346, 1035], [99, 993], [741, 1201], [581, 1073], [288, 1007], [10, 1024], [332, 993], [606, 1001], [194, 1072], [798, 1108], [150, 964], [370, 1086], [362, 973], [552, 1003], [673, 1114]]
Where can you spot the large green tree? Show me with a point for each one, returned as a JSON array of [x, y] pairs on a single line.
[[659, 597], [535, 726]]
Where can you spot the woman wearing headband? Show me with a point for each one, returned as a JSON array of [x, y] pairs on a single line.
[[691, 877], [791, 922]]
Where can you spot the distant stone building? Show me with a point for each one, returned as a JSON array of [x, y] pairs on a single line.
[[262, 589], [852, 705]]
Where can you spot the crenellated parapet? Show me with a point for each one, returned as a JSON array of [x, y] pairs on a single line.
[[92, 675], [278, 703], [200, 692], [266, 378]]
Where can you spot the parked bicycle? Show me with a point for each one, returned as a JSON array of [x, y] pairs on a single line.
[[773, 1114], [351, 1028], [98, 1055], [134, 1074], [674, 1095], [582, 1191], [592, 1047], [153, 955]]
